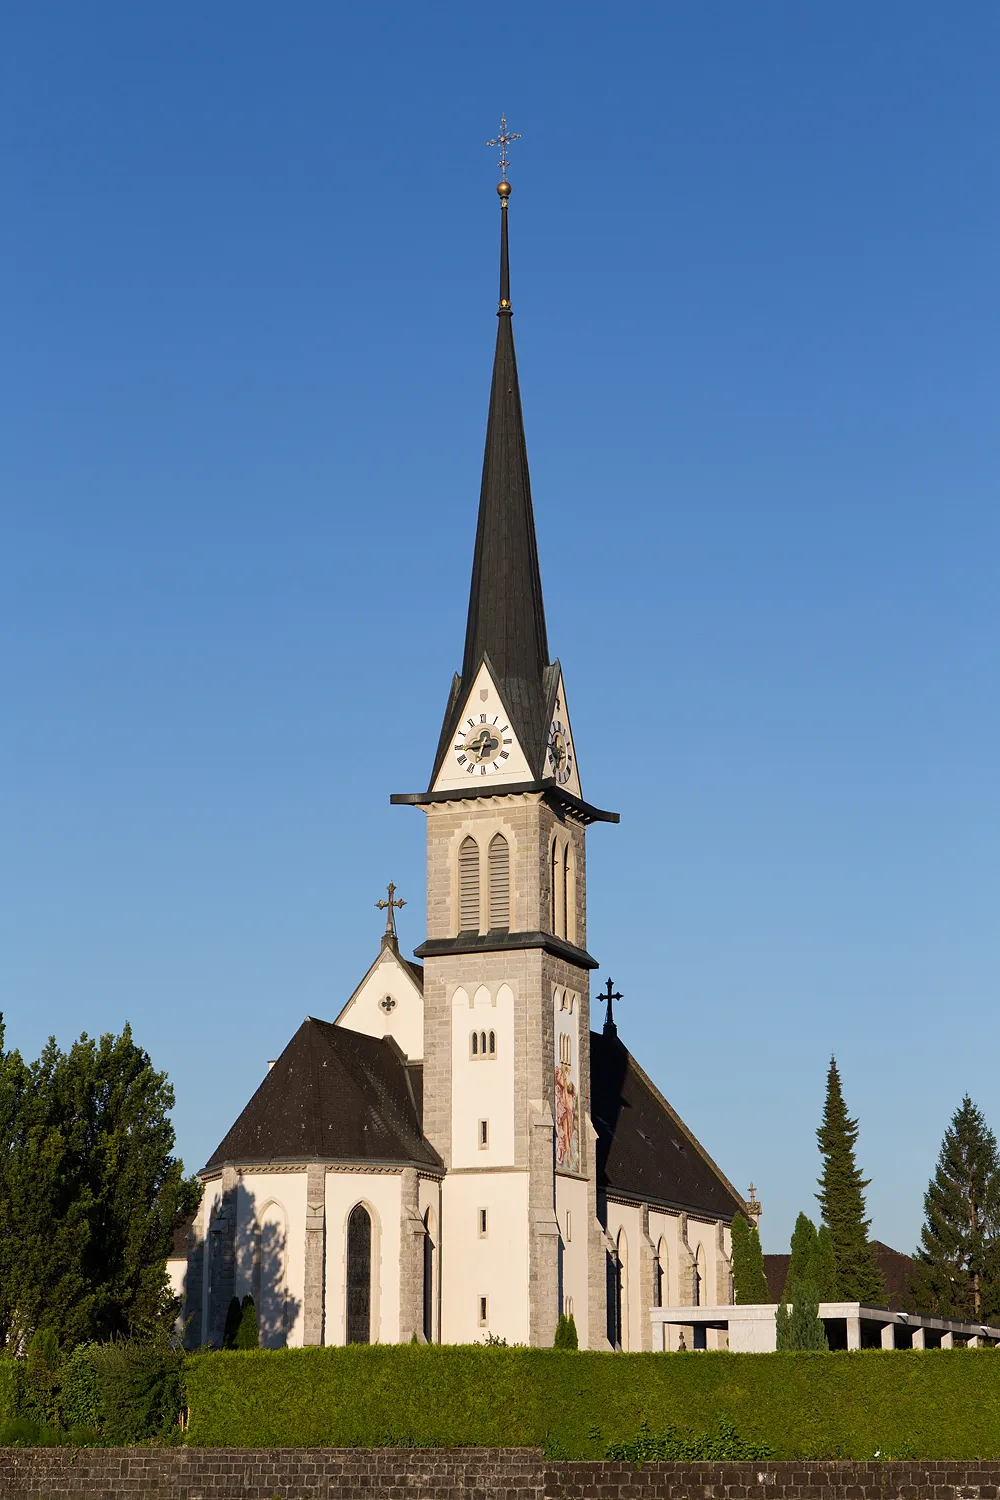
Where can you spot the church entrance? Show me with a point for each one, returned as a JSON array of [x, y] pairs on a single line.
[[359, 1276]]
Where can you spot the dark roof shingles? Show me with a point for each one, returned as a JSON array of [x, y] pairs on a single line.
[[643, 1149], [333, 1095]]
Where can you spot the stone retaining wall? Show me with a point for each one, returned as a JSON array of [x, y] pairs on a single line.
[[460, 1474]]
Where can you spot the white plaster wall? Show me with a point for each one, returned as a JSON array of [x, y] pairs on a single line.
[[381, 1194], [274, 1199], [429, 1203], [484, 699], [571, 1199], [482, 1090], [495, 1267], [390, 977]]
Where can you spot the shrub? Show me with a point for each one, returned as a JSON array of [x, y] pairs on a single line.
[[802, 1405], [11, 1388], [42, 1377], [141, 1390], [679, 1445], [566, 1335], [81, 1388], [247, 1336]]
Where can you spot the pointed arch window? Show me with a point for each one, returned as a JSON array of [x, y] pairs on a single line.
[[359, 1276], [499, 883], [468, 886], [569, 897], [428, 1308]]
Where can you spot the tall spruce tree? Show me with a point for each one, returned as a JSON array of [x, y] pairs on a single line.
[[749, 1280], [842, 1199], [957, 1273], [90, 1190]]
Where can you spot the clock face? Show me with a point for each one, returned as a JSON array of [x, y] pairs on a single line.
[[483, 745], [559, 754]]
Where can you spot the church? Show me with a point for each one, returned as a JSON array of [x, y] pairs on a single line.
[[457, 1157]]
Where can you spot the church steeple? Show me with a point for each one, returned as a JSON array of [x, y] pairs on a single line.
[[506, 621]]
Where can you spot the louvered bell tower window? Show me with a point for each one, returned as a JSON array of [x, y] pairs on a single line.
[[499, 883], [468, 886]]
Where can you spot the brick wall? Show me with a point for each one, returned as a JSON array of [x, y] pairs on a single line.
[[460, 1474]]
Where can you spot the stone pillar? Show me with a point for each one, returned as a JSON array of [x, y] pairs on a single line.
[[685, 1282], [888, 1335], [543, 1230], [974, 1342], [315, 1256], [646, 1258], [723, 1268], [411, 1260], [947, 1341], [854, 1333], [920, 1338]]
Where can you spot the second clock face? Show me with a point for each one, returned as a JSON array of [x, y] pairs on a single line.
[[560, 752], [483, 745]]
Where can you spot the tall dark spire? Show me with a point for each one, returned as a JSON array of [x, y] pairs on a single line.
[[506, 614]]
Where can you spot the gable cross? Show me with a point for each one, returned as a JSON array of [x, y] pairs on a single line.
[[390, 908], [610, 995]]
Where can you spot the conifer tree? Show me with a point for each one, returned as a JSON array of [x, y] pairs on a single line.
[[823, 1267], [842, 1199], [231, 1327], [749, 1280], [805, 1326], [957, 1273], [566, 1334], [800, 1261], [781, 1322], [247, 1335]]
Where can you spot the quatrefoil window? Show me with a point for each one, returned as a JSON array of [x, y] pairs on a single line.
[[387, 1004]]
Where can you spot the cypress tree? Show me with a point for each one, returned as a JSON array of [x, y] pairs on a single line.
[[957, 1262], [842, 1199], [566, 1335], [749, 1280], [805, 1327], [823, 1267], [247, 1335], [781, 1321], [801, 1259]]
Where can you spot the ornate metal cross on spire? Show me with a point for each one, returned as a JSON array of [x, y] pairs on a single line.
[[503, 140], [610, 996], [390, 908]]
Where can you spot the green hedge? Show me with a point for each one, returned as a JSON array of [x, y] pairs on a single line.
[[901, 1404], [11, 1384]]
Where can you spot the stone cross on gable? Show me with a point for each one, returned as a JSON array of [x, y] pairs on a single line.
[[610, 995], [390, 907]]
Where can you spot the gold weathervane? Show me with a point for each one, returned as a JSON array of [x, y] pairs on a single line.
[[503, 140]]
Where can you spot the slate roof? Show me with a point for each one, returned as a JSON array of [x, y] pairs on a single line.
[[506, 622], [333, 1095], [644, 1149], [896, 1270]]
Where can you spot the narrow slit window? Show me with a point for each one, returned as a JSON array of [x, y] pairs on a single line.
[[483, 1312], [468, 886], [484, 1134], [499, 884], [482, 1224], [569, 1226]]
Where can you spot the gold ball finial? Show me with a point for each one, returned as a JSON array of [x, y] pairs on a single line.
[[503, 188]]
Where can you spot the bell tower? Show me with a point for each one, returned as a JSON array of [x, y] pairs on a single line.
[[506, 1082]]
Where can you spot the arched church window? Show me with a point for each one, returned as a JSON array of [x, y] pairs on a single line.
[[493, 1044], [499, 883], [697, 1277], [359, 1276], [468, 886], [660, 1275], [475, 1044], [482, 1043], [428, 1308]]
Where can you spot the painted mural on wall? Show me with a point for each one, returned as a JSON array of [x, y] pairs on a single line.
[[567, 1118]]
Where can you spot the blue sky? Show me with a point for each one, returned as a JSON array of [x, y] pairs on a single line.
[[249, 255]]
